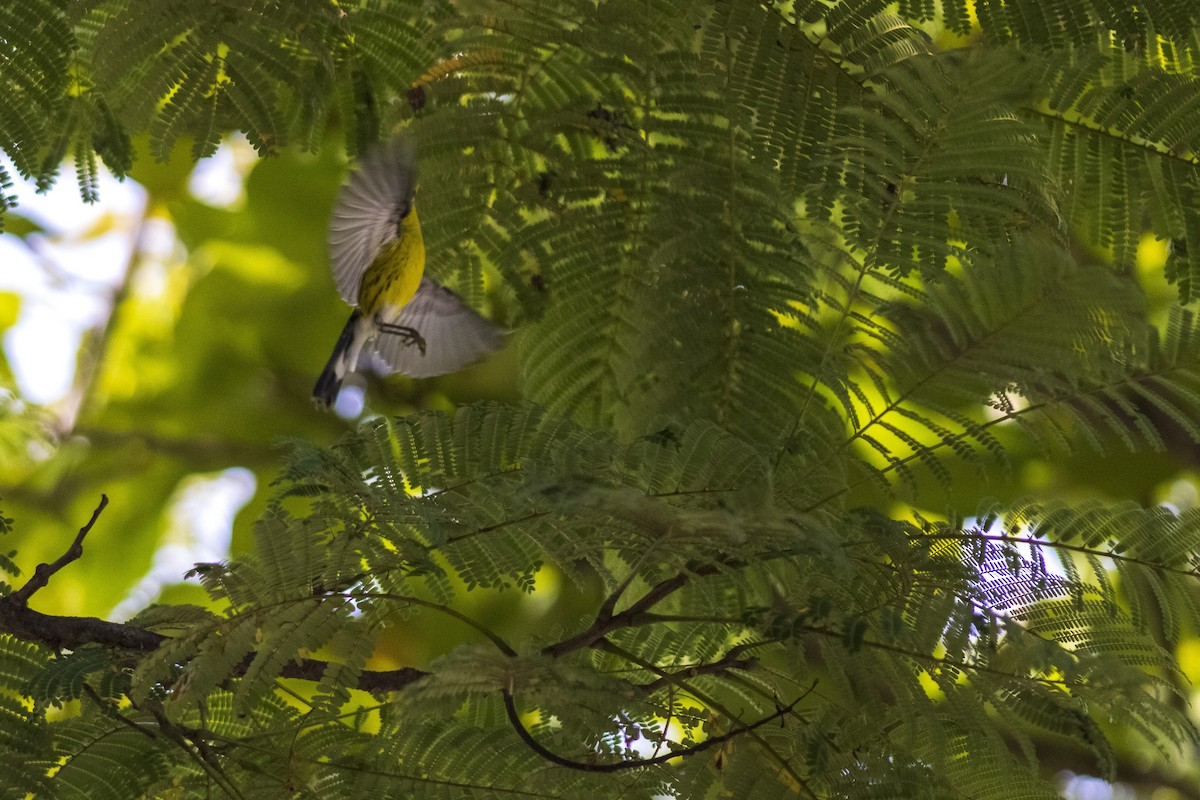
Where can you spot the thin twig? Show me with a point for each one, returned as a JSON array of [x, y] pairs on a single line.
[[606, 622], [719, 667], [493, 637], [713, 704], [192, 743], [44, 572], [110, 710], [1033, 541], [514, 719]]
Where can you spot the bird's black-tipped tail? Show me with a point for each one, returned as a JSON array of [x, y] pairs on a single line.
[[326, 390]]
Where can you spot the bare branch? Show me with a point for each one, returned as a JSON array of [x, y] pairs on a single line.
[[70, 633], [43, 573], [606, 622], [719, 667]]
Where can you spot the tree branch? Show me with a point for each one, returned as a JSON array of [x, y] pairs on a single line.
[[606, 622], [719, 667], [43, 573], [71, 633], [514, 719]]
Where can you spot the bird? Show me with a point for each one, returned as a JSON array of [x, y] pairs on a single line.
[[402, 320]]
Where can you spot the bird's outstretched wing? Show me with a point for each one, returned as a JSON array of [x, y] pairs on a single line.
[[368, 210], [455, 335]]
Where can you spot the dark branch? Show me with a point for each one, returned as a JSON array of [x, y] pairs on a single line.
[[514, 719], [194, 745], [43, 573], [719, 667], [109, 709], [71, 633], [493, 637], [606, 622], [377, 682]]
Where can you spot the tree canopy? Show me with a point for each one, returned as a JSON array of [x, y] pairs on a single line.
[[854, 359]]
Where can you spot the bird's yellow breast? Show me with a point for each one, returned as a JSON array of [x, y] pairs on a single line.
[[395, 273]]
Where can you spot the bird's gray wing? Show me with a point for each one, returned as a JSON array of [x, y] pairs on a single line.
[[368, 210], [455, 335]]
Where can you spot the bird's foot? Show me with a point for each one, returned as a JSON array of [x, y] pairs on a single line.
[[407, 335]]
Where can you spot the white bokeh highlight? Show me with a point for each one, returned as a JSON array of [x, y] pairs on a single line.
[[199, 528], [66, 276]]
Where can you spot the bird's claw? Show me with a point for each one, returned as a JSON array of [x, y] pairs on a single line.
[[407, 335]]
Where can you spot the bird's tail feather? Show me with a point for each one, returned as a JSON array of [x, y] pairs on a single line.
[[326, 390]]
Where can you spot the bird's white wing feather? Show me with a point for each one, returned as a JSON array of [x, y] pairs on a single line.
[[455, 335], [368, 210]]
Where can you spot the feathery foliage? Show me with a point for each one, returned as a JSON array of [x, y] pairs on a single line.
[[777, 270]]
